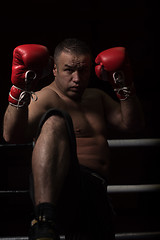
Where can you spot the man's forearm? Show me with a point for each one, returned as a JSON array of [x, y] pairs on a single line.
[[132, 113], [16, 124]]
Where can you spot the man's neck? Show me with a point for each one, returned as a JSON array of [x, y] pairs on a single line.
[[55, 87]]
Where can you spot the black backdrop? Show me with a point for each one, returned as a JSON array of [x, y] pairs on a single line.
[[102, 24]]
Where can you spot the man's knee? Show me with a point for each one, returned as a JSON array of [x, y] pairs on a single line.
[[53, 121], [56, 126], [59, 124]]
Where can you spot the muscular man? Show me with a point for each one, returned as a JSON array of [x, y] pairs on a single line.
[[70, 177]]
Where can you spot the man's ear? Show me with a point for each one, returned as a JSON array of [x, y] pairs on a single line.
[[55, 70]]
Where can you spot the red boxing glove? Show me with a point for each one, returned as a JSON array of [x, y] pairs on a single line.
[[113, 66], [29, 60]]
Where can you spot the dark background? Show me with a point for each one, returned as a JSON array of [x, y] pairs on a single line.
[[102, 24]]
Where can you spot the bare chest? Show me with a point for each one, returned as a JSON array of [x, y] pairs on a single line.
[[87, 115], [88, 120]]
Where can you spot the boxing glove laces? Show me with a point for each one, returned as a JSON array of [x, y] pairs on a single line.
[[113, 65]]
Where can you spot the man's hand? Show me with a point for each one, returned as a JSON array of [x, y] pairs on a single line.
[[29, 60], [113, 66]]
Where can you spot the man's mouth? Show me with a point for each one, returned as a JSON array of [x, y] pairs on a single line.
[[75, 88]]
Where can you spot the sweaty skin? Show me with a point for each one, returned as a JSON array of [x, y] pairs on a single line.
[[89, 125], [91, 111], [85, 106]]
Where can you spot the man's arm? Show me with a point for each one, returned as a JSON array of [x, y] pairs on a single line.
[[15, 126], [132, 114], [20, 124], [113, 66], [29, 60], [124, 115]]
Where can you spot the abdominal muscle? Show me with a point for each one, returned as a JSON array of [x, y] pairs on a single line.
[[93, 152]]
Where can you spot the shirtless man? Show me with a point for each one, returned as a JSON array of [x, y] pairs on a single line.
[[65, 170]]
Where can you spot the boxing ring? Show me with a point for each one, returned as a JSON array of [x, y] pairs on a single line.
[[111, 189]]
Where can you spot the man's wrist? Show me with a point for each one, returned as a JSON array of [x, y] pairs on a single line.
[[125, 92], [20, 98]]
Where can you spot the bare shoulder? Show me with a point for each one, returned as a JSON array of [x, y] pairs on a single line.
[[48, 92], [92, 92], [99, 96], [46, 99], [95, 93]]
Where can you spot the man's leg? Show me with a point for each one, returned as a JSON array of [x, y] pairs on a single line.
[[51, 161]]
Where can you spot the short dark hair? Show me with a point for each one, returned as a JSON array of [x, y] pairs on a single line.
[[72, 45]]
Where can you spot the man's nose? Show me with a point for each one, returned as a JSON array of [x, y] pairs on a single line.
[[76, 77]]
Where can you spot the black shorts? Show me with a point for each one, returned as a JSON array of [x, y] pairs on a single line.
[[83, 210]]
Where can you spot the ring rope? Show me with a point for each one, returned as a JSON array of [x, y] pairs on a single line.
[[143, 142], [118, 236], [110, 189]]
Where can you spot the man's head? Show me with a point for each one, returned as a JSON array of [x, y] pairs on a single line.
[[72, 67], [73, 46]]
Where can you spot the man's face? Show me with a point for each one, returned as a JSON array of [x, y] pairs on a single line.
[[72, 73]]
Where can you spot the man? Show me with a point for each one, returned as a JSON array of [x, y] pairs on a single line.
[[70, 177]]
